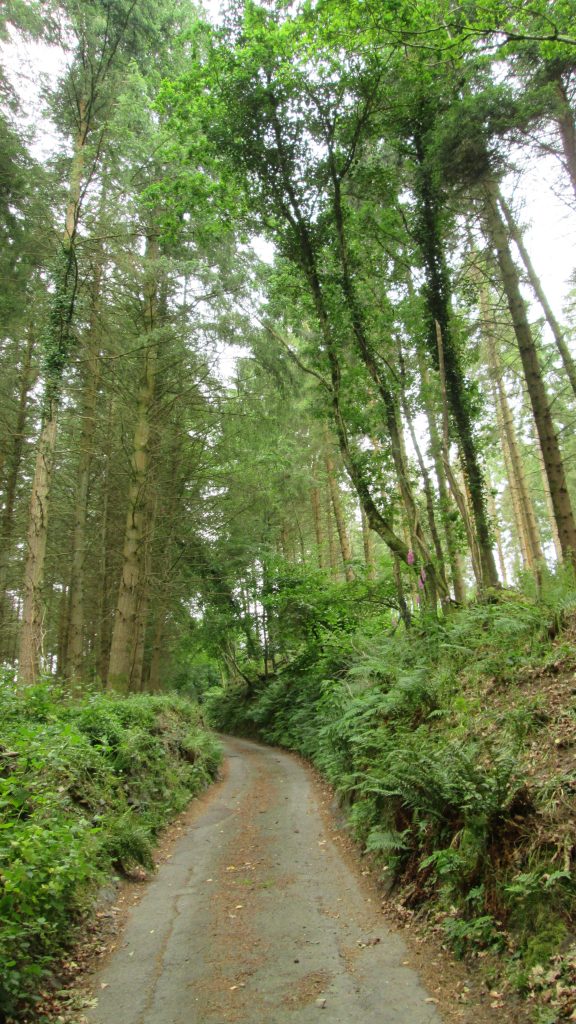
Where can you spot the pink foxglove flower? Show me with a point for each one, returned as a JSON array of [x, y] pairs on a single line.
[[410, 557]]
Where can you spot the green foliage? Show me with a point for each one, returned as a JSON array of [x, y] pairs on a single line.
[[430, 769], [84, 788]]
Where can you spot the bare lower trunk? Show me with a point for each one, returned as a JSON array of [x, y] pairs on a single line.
[[137, 671], [75, 648], [31, 635], [563, 512]]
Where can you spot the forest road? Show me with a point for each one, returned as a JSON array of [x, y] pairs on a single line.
[[258, 918]]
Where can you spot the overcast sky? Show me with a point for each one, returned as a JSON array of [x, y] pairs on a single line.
[[550, 222]]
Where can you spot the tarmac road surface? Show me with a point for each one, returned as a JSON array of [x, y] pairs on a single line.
[[258, 918]]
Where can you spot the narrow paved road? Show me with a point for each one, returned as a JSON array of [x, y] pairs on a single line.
[[258, 919]]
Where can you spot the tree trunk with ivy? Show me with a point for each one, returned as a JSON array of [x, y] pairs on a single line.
[[437, 295], [57, 347]]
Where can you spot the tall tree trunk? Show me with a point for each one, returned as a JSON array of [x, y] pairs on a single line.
[[567, 127], [31, 634], [426, 480], [104, 575], [332, 549], [391, 417], [126, 623], [13, 466], [338, 510], [56, 357], [522, 501], [306, 258], [548, 500], [555, 472], [448, 507], [455, 384], [75, 645], [368, 545], [461, 495], [518, 521], [497, 536], [558, 334], [317, 517]]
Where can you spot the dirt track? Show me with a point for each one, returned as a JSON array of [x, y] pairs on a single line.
[[256, 918]]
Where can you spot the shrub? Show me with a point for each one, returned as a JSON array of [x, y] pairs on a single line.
[[84, 788]]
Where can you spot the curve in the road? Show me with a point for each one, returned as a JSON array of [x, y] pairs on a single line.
[[257, 919]]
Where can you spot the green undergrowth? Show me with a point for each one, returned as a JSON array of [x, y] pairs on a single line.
[[453, 748], [85, 787]]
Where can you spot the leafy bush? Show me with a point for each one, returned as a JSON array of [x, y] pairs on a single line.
[[84, 788]]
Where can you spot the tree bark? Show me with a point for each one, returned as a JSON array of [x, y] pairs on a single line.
[[553, 461], [75, 643], [126, 622], [536, 285], [522, 502], [497, 536], [460, 496], [332, 549], [448, 507], [391, 418], [368, 546], [567, 128], [455, 385], [338, 511], [62, 313], [31, 635], [426, 480], [13, 466], [317, 517]]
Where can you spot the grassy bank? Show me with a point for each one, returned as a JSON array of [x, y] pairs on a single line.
[[85, 787], [453, 748]]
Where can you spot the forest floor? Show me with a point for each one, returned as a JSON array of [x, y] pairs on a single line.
[[262, 912]]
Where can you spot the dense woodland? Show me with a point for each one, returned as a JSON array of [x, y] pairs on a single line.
[[400, 414], [287, 424]]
